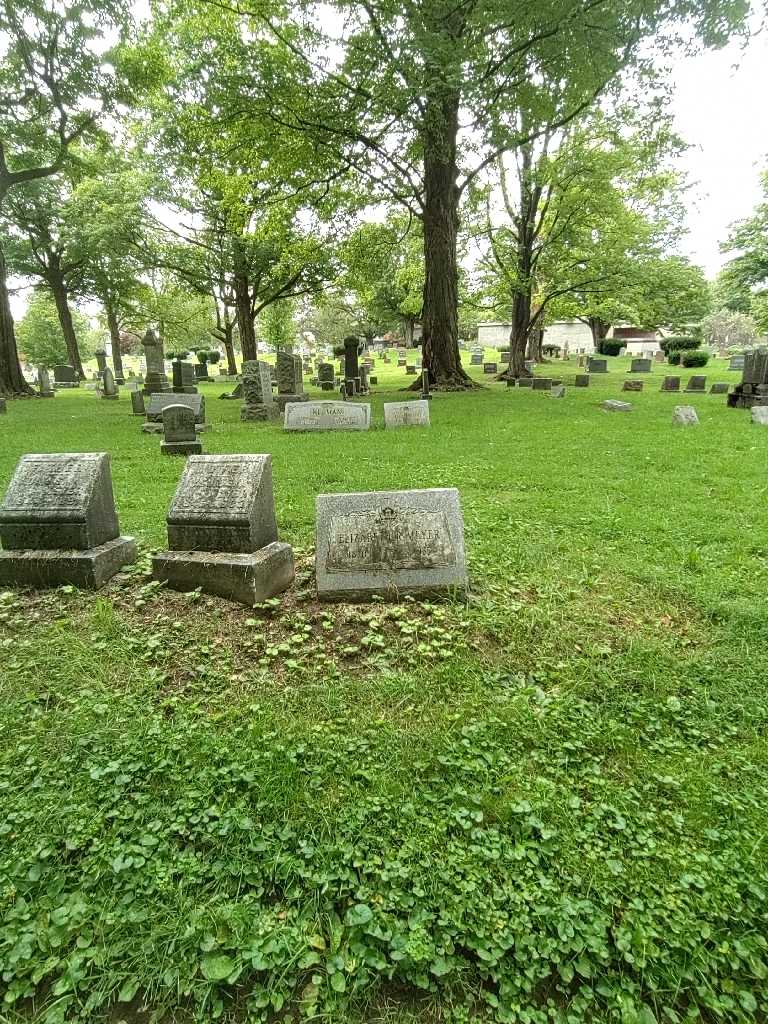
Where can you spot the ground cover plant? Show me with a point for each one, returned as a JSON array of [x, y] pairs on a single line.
[[546, 804]]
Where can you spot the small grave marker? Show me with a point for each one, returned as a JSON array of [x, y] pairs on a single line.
[[632, 385], [327, 416], [613, 405], [697, 384], [406, 414], [179, 436], [685, 416], [670, 384]]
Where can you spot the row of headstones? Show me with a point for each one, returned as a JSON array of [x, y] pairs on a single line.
[[686, 415], [59, 525], [696, 384]]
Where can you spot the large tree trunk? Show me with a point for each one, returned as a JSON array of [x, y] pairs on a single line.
[[243, 307], [11, 378], [599, 330], [58, 288], [440, 337], [114, 337], [229, 345]]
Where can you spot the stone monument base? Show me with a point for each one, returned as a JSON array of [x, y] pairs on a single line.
[[88, 569], [282, 400], [181, 448], [246, 578], [259, 413], [110, 398], [157, 428]]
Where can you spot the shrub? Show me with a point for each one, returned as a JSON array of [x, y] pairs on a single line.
[[678, 343], [214, 356], [673, 358], [697, 358], [611, 346]]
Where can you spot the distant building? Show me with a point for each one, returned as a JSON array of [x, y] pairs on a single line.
[[572, 336]]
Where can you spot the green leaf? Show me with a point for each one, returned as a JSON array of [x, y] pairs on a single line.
[[128, 991], [338, 982], [217, 968], [747, 1000], [361, 913]]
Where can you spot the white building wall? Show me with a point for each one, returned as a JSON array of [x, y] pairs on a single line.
[[576, 335]]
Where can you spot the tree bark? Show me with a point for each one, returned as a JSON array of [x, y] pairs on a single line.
[[229, 346], [114, 337], [243, 307], [12, 380], [57, 284], [440, 336], [599, 330], [522, 300]]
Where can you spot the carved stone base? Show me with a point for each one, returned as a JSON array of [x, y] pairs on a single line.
[[246, 578], [181, 448], [86, 569]]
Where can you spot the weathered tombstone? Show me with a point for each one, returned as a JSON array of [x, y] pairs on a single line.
[[659, 357], [613, 405], [326, 376], [200, 371], [490, 368], [179, 436], [401, 362], [58, 523], [352, 349], [632, 385], [597, 365], [622, 351], [64, 376], [222, 534], [525, 382], [258, 404], [542, 383], [373, 380], [505, 355], [101, 361], [237, 394], [389, 543], [697, 383], [327, 416], [110, 388], [45, 388], [753, 388], [684, 416], [183, 377], [582, 380], [137, 403], [158, 402], [364, 379], [640, 366], [290, 379], [411, 371], [720, 388], [406, 414], [476, 359], [557, 392], [670, 384], [736, 363], [760, 415], [156, 381]]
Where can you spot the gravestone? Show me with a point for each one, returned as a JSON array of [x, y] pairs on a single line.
[[632, 385], [401, 362], [753, 387], [504, 355], [58, 523], [597, 365], [327, 416], [476, 359], [373, 380], [613, 405], [760, 415], [410, 371], [684, 416], [258, 404], [659, 357], [406, 414], [622, 351], [158, 402], [326, 376], [65, 377], [736, 363], [101, 361], [155, 381], [45, 388], [581, 380], [525, 382], [3, 407], [222, 533], [720, 388], [352, 349], [290, 379], [640, 366], [389, 543], [490, 368], [179, 436], [237, 394], [110, 388], [183, 378], [557, 392], [542, 383], [364, 379], [670, 384], [137, 403], [200, 371], [697, 383], [580, 361]]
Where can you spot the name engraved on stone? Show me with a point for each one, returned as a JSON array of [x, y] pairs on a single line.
[[390, 538], [217, 489], [52, 486], [327, 416]]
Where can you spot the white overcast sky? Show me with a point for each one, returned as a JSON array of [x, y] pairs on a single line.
[[719, 104]]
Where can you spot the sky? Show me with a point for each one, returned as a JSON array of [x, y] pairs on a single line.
[[719, 105]]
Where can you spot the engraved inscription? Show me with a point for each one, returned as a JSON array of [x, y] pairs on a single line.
[[325, 415], [223, 489], [390, 538], [52, 484]]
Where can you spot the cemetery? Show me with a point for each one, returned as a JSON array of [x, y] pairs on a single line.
[[383, 520]]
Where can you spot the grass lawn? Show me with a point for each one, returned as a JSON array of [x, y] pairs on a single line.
[[548, 804]]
